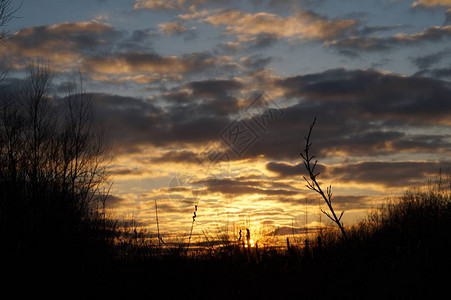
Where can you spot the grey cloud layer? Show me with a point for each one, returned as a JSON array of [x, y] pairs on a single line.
[[361, 113], [388, 174], [368, 43]]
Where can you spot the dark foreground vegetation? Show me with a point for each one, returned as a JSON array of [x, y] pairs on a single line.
[[401, 251]]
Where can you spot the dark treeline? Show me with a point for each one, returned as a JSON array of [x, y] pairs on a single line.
[[53, 168]]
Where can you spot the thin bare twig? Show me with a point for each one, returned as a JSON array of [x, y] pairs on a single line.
[[313, 185]]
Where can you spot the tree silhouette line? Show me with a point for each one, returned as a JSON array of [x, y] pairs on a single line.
[[53, 164]]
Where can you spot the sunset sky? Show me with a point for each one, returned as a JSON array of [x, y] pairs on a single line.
[[207, 102]]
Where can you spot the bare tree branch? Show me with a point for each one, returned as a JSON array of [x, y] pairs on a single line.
[[313, 185], [7, 11]]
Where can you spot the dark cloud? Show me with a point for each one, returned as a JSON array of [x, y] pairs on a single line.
[[448, 17], [234, 187], [436, 65], [256, 63], [183, 156], [360, 113], [160, 68], [131, 62], [386, 173], [213, 88], [368, 30], [374, 94], [389, 174], [138, 40], [121, 171], [289, 170], [162, 5], [128, 120], [62, 43], [81, 35], [265, 40], [443, 73], [350, 202], [343, 202], [107, 54], [426, 61], [213, 97], [284, 5], [176, 27], [284, 230], [366, 43], [112, 200], [132, 122]]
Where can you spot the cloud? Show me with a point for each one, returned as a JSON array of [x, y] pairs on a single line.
[[437, 65], [425, 61], [385, 173], [303, 24], [388, 174], [158, 4], [360, 113], [63, 44], [137, 40], [430, 34], [213, 87], [233, 187], [181, 156], [106, 54], [147, 63], [444, 73], [171, 28], [264, 40], [193, 14], [431, 3], [129, 120], [213, 97], [133, 123], [289, 170], [373, 94], [127, 173], [368, 30], [255, 63]]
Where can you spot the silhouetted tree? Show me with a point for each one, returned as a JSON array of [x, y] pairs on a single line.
[[6, 14], [7, 11], [53, 163]]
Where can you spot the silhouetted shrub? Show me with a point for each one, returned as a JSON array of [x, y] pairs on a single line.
[[53, 163]]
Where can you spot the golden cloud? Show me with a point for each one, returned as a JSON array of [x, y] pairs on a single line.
[[302, 25], [60, 44], [128, 63], [431, 3], [174, 27], [158, 4]]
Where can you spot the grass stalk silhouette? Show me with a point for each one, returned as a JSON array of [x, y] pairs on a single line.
[[160, 240], [192, 226]]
